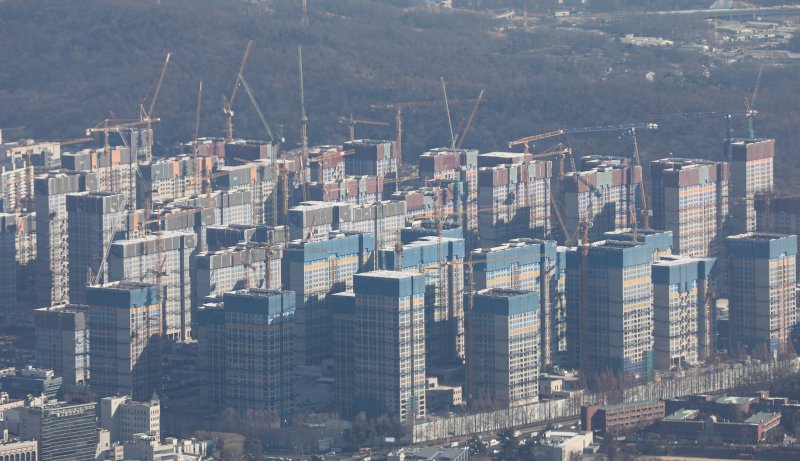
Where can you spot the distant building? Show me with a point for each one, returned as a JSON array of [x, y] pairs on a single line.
[[373, 158], [30, 381], [123, 417], [779, 214], [8, 258], [52, 230], [690, 198], [762, 299], [171, 178], [94, 219], [18, 255], [163, 257], [564, 445], [241, 266], [125, 333], [611, 325], [62, 341], [442, 262], [314, 270], [514, 198], [684, 313], [503, 357], [259, 179], [751, 174], [64, 431], [533, 265], [604, 192], [18, 449], [621, 417], [114, 168], [660, 242], [460, 166], [389, 344], [247, 347]]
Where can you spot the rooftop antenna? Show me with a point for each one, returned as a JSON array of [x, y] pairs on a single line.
[[304, 20]]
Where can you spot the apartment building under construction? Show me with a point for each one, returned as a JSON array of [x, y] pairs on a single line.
[[162, 259], [603, 193], [441, 260], [513, 198], [690, 198], [762, 299]]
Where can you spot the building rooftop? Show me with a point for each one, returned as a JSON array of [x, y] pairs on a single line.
[[628, 404], [386, 274], [759, 417], [682, 415], [732, 400]]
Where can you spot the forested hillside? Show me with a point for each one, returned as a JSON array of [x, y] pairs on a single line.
[[64, 66]]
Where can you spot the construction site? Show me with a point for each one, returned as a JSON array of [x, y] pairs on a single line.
[[371, 273]]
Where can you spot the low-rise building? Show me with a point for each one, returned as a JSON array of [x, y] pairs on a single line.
[[620, 417], [562, 445]]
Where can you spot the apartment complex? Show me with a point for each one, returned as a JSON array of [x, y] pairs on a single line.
[[162, 258], [530, 265], [513, 198], [62, 341], [388, 363], [314, 270], [751, 173], [125, 334], [610, 309], [690, 198], [441, 260], [604, 192], [762, 299], [503, 369], [684, 312]]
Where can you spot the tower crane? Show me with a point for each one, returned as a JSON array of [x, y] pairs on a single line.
[[252, 97], [400, 106], [227, 103], [352, 122], [470, 119], [197, 116], [147, 116], [750, 111], [591, 129]]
